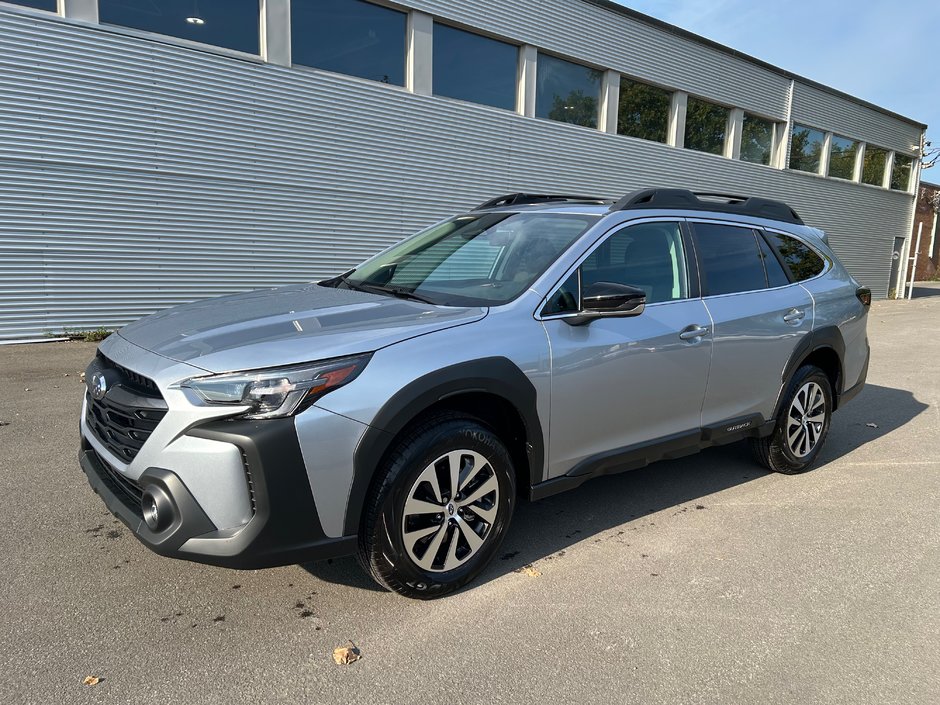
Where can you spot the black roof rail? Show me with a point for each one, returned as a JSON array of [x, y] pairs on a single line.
[[704, 201], [520, 199]]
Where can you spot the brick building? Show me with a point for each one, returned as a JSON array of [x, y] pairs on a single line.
[[926, 216]]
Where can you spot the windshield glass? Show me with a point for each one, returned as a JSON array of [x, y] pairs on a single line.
[[473, 260]]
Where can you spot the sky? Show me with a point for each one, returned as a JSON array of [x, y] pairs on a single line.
[[883, 52]]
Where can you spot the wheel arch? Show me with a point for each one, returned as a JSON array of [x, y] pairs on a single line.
[[824, 348], [492, 389]]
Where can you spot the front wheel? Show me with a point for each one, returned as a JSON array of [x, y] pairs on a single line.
[[802, 424], [441, 510]]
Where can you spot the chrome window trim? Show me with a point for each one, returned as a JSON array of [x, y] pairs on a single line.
[[537, 313]]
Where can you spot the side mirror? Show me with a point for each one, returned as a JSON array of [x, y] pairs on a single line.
[[608, 300]]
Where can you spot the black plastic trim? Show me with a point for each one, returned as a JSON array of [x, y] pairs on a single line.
[[853, 391], [642, 454], [493, 375], [188, 518], [826, 337], [284, 529]]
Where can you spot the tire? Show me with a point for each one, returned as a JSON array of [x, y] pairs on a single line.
[[438, 555], [794, 445]]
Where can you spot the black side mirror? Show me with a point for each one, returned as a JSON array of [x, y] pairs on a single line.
[[609, 300]]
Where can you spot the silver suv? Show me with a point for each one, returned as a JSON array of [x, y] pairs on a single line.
[[398, 411]]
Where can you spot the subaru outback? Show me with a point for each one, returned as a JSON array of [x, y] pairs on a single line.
[[400, 410]]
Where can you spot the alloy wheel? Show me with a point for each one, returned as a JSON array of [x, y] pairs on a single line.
[[450, 511], [806, 419]]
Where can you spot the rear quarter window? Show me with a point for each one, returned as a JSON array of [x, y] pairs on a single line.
[[802, 262]]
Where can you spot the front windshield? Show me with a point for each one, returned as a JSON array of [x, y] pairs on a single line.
[[473, 260]]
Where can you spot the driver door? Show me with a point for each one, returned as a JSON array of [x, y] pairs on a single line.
[[623, 382]]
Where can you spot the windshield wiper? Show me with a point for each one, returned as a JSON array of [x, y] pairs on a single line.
[[396, 291]]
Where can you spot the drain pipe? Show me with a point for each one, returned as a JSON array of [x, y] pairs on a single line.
[[910, 293]]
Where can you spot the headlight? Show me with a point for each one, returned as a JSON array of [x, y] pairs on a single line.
[[279, 391]]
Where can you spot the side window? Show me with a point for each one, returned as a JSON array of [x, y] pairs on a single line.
[[801, 260], [775, 274], [730, 259], [648, 256]]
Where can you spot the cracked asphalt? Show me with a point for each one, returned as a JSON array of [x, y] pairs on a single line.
[[700, 580]]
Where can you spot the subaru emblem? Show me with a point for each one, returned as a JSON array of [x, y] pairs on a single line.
[[99, 386]]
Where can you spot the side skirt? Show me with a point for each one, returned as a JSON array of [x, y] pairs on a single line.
[[642, 454]]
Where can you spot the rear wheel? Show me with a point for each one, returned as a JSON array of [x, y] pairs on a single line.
[[441, 510], [802, 424]]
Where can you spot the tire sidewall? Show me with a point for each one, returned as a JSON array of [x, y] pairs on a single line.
[[449, 436]]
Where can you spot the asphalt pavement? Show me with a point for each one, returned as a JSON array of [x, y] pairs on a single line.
[[700, 580]]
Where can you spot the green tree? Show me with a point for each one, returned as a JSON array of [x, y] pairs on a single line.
[[705, 126], [576, 108], [643, 111], [757, 139]]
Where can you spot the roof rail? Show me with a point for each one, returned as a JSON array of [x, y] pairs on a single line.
[[520, 199], [718, 202]]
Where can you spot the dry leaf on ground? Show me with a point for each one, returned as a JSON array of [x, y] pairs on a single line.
[[530, 571], [91, 680], [343, 655]]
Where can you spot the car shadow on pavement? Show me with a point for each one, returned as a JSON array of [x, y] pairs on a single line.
[[610, 506]]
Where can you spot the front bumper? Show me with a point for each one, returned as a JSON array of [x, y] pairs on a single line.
[[283, 529]]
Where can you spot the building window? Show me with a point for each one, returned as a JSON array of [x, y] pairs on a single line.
[[842, 158], [232, 24], [350, 36], [873, 167], [757, 139], [901, 173], [643, 111], [567, 92], [706, 125], [806, 146], [474, 68], [50, 5]]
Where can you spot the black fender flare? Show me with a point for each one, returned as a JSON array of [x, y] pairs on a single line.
[[498, 376], [827, 337]]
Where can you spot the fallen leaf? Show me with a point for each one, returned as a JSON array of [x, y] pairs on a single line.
[[529, 571], [872, 425], [344, 655], [91, 680]]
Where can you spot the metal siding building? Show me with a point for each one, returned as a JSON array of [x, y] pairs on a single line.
[[138, 172]]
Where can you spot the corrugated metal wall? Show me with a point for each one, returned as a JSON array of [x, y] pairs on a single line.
[[634, 48], [135, 175], [816, 108]]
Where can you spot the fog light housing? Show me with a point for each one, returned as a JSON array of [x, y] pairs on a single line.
[[157, 508]]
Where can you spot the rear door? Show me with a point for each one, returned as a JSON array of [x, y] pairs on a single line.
[[758, 318]]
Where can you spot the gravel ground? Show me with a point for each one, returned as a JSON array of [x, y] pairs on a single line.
[[700, 580]]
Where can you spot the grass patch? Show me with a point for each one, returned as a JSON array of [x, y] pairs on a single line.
[[89, 336]]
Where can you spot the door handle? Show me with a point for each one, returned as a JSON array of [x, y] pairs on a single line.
[[794, 314], [692, 332]]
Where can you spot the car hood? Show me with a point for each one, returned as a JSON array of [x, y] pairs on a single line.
[[287, 325]]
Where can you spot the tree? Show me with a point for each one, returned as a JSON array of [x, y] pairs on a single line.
[[643, 111], [576, 108]]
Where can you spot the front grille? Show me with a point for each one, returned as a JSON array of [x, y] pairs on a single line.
[[124, 419]]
